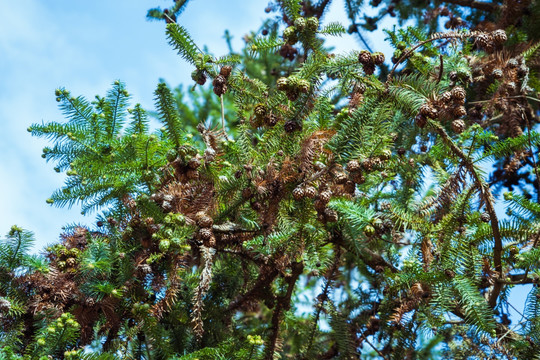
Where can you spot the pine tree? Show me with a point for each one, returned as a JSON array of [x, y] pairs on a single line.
[[362, 191]]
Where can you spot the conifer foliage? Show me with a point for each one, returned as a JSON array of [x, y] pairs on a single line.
[[339, 206]]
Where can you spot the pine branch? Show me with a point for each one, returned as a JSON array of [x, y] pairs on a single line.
[[488, 201]]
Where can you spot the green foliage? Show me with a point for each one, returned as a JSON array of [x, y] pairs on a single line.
[[305, 205]]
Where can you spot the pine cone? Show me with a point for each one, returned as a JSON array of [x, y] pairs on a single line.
[[512, 63], [429, 111], [365, 58], [349, 187], [423, 148], [368, 164], [377, 58], [193, 163], [497, 73], [220, 85], [289, 35], [312, 23], [225, 71], [458, 94], [271, 120], [288, 51], [260, 110], [300, 23], [192, 174], [353, 165], [310, 192], [522, 70], [458, 126], [446, 97], [484, 41], [291, 126], [499, 36], [325, 196], [5, 305], [299, 193], [340, 177], [450, 273], [303, 86], [485, 217], [330, 215], [459, 111], [220, 90], [204, 220], [319, 205], [199, 77], [205, 233]]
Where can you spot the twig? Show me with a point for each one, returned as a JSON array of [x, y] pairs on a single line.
[[223, 116], [487, 197], [374, 348], [283, 303], [436, 36]]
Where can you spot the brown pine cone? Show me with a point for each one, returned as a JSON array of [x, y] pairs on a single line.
[[330, 215], [485, 41], [260, 110], [365, 58], [299, 193], [485, 217], [325, 196], [310, 192], [340, 177], [271, 120], [291, 126], [205, 233], [458, 94], [247, 193], [458, 126], [429, 111], [459, 111], [225, 71], [204, 220], [353, 165], [282, 83], [497, 73], [377, 58], [349, 187], [499, 36], [292, 94], [446, 97], [192, 174]]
